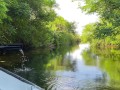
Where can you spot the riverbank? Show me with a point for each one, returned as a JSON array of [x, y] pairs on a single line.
[[104, 45]]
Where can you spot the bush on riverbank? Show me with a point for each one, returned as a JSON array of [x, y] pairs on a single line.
[[34, 23], [105, 32]]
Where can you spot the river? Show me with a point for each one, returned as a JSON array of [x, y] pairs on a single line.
[[76, 68]]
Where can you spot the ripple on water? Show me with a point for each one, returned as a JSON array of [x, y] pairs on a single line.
[[69, 83], [60, 83]]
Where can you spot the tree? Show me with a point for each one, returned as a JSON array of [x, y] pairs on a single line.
[[88, 33], [107, 29], [3, 10], [33, 23]]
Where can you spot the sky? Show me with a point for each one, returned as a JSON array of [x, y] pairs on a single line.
[[71, 12]]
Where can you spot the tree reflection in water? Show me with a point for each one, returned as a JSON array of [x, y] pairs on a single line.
[[71, 68]]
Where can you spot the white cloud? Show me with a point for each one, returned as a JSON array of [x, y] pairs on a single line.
[[69, 10]]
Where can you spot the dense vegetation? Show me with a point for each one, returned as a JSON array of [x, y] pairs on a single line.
[[106, 32], [34, 23]]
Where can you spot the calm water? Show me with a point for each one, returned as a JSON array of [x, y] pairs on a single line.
[[76, 68]]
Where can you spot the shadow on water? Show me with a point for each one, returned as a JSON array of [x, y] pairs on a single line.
[[14, 61], [23, 60], [71, 68]]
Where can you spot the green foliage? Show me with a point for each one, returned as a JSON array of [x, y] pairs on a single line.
[[34, 23], [105, 32], [3, 10], [87, 33], [63, 32], [59, 24], [7, 32]]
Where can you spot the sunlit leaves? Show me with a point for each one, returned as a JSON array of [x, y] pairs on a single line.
[[107, 29], [3, 10], [87, 33], [60, 24], [33, 23]]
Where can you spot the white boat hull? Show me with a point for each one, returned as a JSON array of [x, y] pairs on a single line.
[[11, 81]]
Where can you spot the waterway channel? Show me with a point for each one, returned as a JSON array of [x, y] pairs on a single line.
[[76, 68]]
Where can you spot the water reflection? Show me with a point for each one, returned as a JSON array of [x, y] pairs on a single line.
[[107, 60], [23, 67], [76, 68], [76, 75], [10, 61]]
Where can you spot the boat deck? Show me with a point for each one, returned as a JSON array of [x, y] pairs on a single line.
[[11, 81]]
